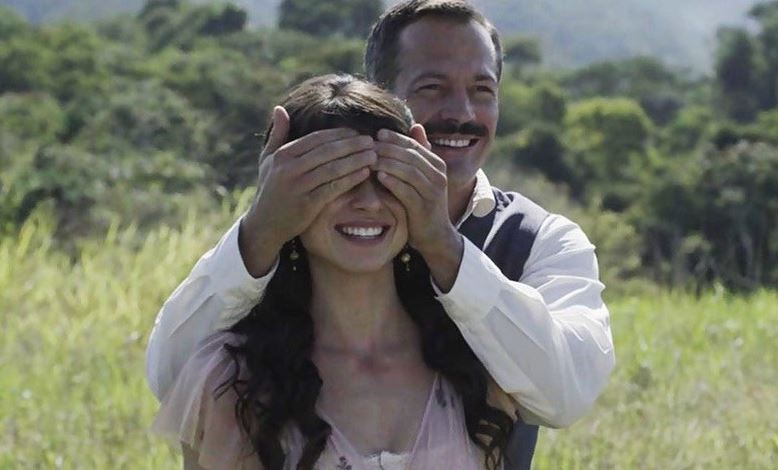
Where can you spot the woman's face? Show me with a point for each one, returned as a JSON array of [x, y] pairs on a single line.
[[361, 231]]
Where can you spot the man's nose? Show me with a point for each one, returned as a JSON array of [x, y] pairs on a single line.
[[458, 107], [365, 196]]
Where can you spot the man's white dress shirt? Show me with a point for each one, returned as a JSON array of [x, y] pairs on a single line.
[[546, 340]]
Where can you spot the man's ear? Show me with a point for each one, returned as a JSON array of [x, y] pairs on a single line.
[[420, 135]]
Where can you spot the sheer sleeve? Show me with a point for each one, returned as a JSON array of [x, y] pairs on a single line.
[[191, 413]]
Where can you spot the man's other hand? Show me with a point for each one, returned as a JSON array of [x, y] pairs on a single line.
[[417, 177]]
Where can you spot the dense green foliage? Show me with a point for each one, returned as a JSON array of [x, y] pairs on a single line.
[[349, 18], [144, 118], [696, 384]]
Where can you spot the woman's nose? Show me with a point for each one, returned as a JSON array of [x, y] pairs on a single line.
[[365, 196]]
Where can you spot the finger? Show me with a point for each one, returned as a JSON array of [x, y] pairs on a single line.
[[334, 188], [420, 135], [408, 174], [334, 150], [315, 139], [391, 137], [405, 155], [336, 169], [278, 132], [405, 193]]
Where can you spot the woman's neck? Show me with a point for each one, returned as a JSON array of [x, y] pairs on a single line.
[[359, 313]]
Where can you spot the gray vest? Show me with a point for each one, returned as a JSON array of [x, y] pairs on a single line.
[[506, 235]]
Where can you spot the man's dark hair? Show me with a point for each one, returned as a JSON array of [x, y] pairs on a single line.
[[383, 44]]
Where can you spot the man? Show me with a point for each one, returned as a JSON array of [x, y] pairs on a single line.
[[522, 287]]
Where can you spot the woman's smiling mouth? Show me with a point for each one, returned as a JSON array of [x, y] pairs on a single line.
[[362, 232]]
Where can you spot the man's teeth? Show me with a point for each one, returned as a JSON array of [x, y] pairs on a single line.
[[452, 142], [363, 231]]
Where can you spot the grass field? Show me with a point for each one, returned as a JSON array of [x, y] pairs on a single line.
[[696, 384]]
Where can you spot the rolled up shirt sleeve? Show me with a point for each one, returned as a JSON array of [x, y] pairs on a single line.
[[218, 292], [546, 340]]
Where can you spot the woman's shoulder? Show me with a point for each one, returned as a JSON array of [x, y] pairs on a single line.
[[199, 410]]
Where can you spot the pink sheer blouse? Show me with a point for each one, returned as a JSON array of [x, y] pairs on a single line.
[[191, 414]]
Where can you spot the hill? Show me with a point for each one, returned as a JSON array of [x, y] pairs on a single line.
[[572, 32], [579, 32]]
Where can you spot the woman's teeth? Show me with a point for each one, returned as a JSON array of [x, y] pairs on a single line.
[[458, 143], [363, 232]]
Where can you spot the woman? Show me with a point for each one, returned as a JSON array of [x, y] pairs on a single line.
[[348, 362]]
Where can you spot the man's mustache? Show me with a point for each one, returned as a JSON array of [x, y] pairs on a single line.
[[450, 127]]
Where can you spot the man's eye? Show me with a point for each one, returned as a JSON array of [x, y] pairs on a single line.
[[485, 89], [430, 87]]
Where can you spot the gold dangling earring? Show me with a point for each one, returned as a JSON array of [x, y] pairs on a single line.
[[405, 259], [294, 255]]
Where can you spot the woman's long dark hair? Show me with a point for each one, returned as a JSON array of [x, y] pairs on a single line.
[[281, 383]]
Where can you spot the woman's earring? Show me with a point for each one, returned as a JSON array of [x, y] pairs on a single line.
[[405, 259], [294, 255]]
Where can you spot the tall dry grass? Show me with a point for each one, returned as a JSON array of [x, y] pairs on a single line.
[[696, 384]]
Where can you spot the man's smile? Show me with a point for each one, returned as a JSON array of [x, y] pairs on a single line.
[[453, 142]]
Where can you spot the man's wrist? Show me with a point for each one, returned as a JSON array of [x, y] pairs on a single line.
[[258, 250], [444, 259]]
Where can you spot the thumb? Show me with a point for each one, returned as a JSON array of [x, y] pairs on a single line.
[[278, 132], [420, 135]]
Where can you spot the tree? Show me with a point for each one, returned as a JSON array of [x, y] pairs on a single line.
[[691, 126], [11, 24], [25, 64], [608, 142], [767, 16], [645, 79], [170, 23], [764, 128], [31, 116], [747, 66], [739, 71], [232, 96], [715, 216], [349, 18], [520, 52], [146, 117], [75, 65], [537, 146], [152, 7], [764, 10], [225, 20], [523, 105]]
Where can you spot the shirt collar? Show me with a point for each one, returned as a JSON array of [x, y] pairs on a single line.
[[482, 201]]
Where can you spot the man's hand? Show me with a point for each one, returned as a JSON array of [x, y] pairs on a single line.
[[296, 179], [417, 177]]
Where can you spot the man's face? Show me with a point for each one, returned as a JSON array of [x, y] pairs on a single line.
[[448, 76]]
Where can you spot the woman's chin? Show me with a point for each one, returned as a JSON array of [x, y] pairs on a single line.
[[364, 266], [356, 265]]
